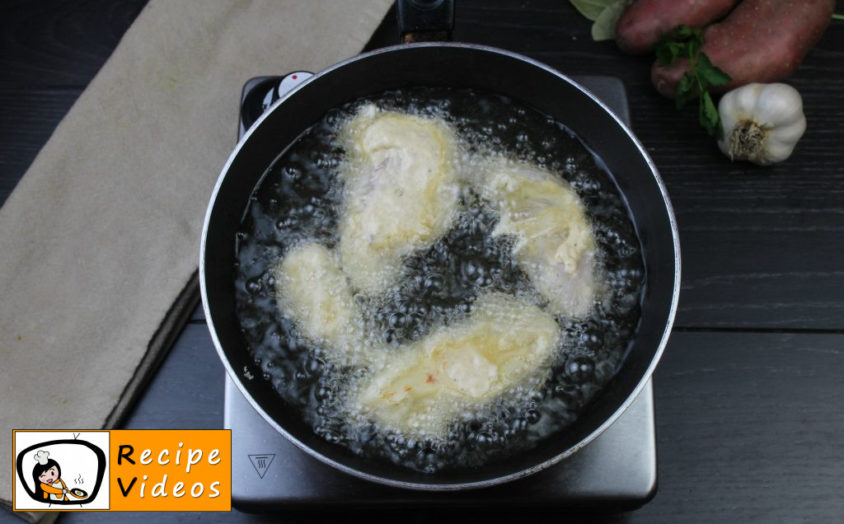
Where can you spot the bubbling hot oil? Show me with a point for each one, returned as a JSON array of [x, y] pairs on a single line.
[[300, 199]]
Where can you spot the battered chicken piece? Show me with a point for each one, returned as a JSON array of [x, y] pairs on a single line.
[[401, 192], [313, 292], [554, 244], [502, 343]]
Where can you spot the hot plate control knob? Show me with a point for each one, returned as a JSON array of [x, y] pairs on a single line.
[[291, 80], [282, 87]]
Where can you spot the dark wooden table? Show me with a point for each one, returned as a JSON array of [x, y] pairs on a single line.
[[750, 392]]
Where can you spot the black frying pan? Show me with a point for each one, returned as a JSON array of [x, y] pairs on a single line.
[[459, 66]]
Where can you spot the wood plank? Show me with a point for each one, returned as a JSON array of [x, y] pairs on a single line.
[[60, 42], [27, 119], [187, 391], [749, 429]]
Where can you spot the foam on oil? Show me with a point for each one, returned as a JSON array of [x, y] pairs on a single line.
[[300, 199]]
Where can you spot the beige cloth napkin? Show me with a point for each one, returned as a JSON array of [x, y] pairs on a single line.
[[99, 242]]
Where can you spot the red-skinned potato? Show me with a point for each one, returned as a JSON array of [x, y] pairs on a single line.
[[644, 22], [761, 41]]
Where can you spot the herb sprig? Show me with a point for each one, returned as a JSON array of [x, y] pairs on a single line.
[[685, 42]]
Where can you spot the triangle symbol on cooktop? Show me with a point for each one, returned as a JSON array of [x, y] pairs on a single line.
[[261, 463]]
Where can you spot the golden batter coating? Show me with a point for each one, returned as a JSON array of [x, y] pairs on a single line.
[[554, 245], [313, 292], [401, 192], [503, 342]]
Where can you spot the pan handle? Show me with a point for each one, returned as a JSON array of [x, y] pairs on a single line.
[[425, 20]]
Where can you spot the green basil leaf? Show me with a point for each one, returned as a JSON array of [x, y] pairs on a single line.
[[664, 53], [681, 42], [708, 115], [696, 40], [709, 74], [667, 51], [684, 42], [691, 38], [685, 90], [682, 32], [591, 9], [604, 26]]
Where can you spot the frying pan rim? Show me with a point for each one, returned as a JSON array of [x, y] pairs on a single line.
[[457, 486]]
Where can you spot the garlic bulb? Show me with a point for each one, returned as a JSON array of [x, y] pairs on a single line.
[[762, 122]]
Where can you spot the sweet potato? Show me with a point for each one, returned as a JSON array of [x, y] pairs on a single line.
[[761, 41], [644, 22]]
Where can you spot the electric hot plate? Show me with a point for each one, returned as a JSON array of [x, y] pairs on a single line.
[[616, 471]]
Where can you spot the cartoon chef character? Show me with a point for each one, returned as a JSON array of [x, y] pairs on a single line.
[[47, 476]]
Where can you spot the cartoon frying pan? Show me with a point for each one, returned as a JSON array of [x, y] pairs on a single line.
[[78, 493]]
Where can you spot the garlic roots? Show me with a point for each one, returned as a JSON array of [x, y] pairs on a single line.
[[761, 122]]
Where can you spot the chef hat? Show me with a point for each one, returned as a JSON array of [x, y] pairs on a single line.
[[42, 457]]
